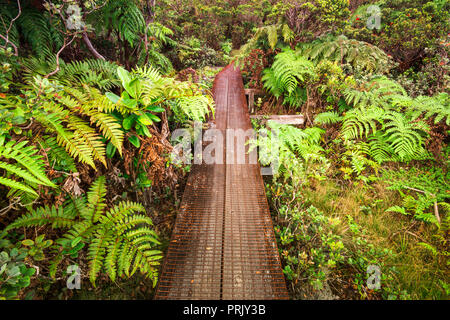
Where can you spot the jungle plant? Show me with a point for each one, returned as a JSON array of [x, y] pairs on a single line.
[[92, 72], [139, 112], [24, 169], [36, 247], [361, 55], [288, 71], [268, 37], [422, 191], [14, 274], [294, 152], [147, 92], [120, 239]]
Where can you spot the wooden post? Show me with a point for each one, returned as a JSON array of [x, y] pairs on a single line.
[[251, 98]]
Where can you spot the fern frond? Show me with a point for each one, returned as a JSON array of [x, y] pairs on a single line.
[[57, 217], [97, 251], [405, 137], [330, 117], [358, 122], [96, 198]]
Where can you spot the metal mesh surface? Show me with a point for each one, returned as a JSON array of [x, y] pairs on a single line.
[[223, 245]]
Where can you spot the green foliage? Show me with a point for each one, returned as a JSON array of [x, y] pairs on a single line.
[[377, 92], [36, 247], [62, 110], [192, 53], [120, 239], [361, 55], [91, 72], [14, 274], [147, 92], [24, 169], [124, 17], [36, 28], [423, 191], [426, 107], [271, 36], [330, 117], [407, 28], [288, 71], [293, 152]]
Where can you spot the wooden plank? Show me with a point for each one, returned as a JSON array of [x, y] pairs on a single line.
[[296, 119], [254, 91]]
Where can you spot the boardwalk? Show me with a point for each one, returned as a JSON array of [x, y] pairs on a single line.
[[223, 245]]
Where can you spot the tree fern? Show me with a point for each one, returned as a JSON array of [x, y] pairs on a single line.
[[268, 36], [341, 49], [406, 137], [40, 31], [379, 92], [361, 122]]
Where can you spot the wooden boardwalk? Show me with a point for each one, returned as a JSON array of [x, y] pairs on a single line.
[[223, 245]]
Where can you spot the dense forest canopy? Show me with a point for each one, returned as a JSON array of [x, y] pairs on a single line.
[[90, 92]]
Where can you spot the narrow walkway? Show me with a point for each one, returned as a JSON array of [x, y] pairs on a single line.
[[223, 245]]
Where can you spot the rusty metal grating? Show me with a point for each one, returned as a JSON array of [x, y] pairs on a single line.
[[223, 245]]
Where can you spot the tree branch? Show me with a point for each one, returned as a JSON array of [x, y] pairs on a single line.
[[65, 45], [6, 38], [91, 48]]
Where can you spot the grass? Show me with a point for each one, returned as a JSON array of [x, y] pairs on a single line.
[[414, 272]]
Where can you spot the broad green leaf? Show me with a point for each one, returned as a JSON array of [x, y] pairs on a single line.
[[28, 242], [128, 122], [124, 76], [155, 109], [145, 120], [153, 117], [134, 141]]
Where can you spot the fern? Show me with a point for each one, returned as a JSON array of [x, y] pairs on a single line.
[[63, 113], [327, 118], [56, 154], [378, 92], [420, 189], [341, 49], [186, 99], [380, 149], [267, 36], [120, 239], [297, 151], [91, 72], [361, 122], [288, 71], [40, 30], [405, 137], [28, 169], [436, 106], [7, 13], [122, 16]]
